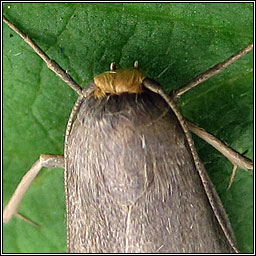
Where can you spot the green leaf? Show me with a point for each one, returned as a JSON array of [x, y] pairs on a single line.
[[173, 43]]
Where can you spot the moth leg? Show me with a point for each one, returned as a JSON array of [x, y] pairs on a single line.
[[232, 176], [51, 64], [20, 216], [50, 161], [234, 157], [218, 68]]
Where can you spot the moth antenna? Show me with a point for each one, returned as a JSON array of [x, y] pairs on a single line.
[[51, 64], [218, 68]]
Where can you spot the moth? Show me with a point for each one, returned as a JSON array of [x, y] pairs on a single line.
[[133, 179]]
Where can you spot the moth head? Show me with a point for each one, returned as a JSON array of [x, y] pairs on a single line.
[[115, 82]]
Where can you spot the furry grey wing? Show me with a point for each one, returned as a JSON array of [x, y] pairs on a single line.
[[132, 185]]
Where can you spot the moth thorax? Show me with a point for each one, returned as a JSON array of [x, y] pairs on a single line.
[[117, 82]]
